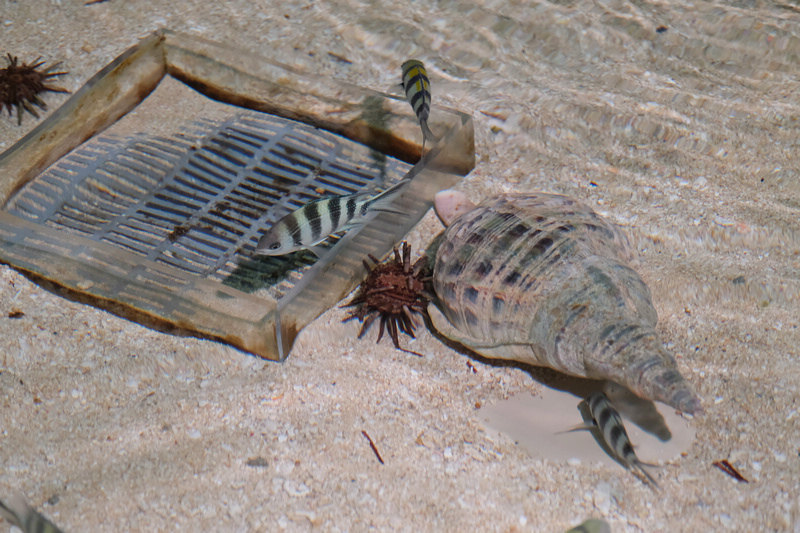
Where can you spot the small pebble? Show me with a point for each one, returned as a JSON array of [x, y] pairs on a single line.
[[602, 498], [294, 489]]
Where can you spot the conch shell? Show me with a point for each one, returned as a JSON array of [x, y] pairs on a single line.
[[543, 279]]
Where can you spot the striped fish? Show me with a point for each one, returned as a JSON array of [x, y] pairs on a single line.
[[609, 422], [308, 226], [418, 92], [19, 513], [593, 525]]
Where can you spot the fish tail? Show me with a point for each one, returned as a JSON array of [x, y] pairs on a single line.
[[381, 202], [593, 525], [8, 515], [640, 466], [427, 134], [15, 510], [19, 513]]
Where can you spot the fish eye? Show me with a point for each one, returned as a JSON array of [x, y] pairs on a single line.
[[274, 246]]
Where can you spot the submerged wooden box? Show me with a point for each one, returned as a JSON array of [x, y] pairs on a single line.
[[162, 229]]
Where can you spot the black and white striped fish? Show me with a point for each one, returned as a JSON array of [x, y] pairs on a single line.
[[418, 92], [18, 512], [308, 226], [609, 422]]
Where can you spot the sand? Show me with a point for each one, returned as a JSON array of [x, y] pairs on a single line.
[[677, 120]]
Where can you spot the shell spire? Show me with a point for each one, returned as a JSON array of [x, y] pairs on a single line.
[[543, 279]]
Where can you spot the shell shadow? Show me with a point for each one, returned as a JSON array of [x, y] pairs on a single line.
[[636, 410]]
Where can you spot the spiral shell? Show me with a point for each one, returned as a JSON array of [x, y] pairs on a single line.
[[543, 279]]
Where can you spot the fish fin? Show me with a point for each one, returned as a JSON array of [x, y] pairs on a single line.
[[317, 250], [586, 425], [392, 211], [353, 224], [640, 468]]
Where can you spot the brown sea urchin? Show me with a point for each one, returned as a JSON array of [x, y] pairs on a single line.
[[21, 85], [393, 291]]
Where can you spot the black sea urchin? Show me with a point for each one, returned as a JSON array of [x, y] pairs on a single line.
[[20, 86], [393, 291]]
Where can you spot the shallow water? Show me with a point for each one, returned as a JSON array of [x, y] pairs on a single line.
[[678, 120]]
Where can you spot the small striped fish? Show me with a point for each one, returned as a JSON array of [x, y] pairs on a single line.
[[19, 513], [418, 92], [609, 422], [593, 525], [308, 226]]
